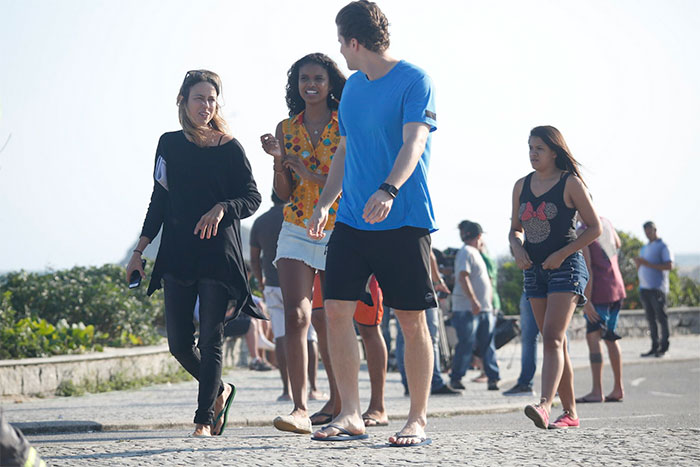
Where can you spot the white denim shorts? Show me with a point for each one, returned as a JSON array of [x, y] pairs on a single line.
[[275, 307], [294, 243]]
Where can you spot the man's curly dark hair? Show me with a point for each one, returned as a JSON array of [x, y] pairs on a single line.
[[335, 77]]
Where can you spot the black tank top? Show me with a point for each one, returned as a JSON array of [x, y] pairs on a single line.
[[549, 224]]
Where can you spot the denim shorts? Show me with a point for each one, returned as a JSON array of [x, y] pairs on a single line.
[[608, 313], [294, 243], [571, 276]]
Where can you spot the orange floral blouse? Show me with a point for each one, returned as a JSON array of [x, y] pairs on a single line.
[[317, 160]]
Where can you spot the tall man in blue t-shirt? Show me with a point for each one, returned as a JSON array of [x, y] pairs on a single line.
[[653, 265], [385, 216]]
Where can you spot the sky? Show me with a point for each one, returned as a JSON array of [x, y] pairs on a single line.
[[87, 87]]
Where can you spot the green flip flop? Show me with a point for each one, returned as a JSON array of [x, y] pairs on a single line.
[[224, 412]]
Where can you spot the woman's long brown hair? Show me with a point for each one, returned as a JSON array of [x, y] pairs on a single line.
[[555, 141]]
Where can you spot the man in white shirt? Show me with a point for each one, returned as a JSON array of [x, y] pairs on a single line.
[[473, 316]]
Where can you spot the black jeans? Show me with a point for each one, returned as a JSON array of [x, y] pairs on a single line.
[[654, 303], [204, 361]]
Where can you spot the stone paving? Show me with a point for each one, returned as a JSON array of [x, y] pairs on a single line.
[[604, 446]]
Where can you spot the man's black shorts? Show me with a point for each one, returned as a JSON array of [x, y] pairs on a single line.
[[399, 258]]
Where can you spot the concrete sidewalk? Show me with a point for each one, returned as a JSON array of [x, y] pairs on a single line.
[[173, 405]]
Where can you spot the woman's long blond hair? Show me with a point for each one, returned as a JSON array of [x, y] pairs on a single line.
[[194, 133]]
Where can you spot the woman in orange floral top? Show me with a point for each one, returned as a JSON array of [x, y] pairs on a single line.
[[302, 149]]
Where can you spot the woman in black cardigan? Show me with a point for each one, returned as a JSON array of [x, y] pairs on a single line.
[[203, 187]]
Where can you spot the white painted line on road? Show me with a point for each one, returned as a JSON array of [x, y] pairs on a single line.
[[629, 416], [665, 394], [636, 382]]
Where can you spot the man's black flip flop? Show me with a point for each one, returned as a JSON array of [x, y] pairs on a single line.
[[327, 418]]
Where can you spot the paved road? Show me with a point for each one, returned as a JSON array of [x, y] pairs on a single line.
[[658, 424]]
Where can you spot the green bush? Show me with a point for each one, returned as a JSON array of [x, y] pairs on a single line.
[[31, 337], [510, 287], [629, 250], [97, 296]]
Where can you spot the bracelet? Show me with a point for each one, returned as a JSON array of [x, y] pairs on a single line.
[[138, 251]]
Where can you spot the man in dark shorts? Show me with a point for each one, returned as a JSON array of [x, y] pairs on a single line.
[[385, 216]]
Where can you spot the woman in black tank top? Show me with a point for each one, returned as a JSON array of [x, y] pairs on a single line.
[[544, 244]]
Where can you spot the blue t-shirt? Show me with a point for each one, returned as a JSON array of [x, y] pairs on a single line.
[[371, 117], [656, 252]]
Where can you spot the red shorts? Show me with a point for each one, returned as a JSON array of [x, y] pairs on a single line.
[[367, 315]]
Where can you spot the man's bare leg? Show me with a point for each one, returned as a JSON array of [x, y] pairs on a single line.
[[418, 361], [345, 357], [375, 349], [615, 354], [596, 359]]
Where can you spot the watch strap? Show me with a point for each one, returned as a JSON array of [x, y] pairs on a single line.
[[391, 189]]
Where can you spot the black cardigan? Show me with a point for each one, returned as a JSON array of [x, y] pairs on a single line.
[[198, 178]]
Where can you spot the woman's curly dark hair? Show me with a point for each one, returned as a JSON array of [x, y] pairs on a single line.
[[336, 80]]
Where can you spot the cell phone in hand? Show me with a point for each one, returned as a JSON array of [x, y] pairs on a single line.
[[135, 279]]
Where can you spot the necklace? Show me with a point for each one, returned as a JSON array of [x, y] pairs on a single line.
[[316, 127]]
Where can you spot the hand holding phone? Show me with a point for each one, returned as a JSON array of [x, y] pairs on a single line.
[[135, 279]]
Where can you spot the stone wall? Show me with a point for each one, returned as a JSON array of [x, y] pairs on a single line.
[[633, 323], [42, 376]]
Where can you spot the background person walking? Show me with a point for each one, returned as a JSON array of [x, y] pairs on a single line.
[[472, 309], [653, 265], [605, 290]]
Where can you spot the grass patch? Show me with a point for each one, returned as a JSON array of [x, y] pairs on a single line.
[[120, 382]]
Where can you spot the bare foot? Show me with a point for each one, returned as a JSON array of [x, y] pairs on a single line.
[[352, 423], [219, 406], [316, 395], [202, 431], [412, 433], [482, 378], [615, 396], [284, 397], [301, 413], [590, 397], [375, 418]]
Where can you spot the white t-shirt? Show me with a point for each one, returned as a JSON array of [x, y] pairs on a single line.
[[469, 259]]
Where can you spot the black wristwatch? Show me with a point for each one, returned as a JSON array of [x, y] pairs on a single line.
[[391, 189]]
